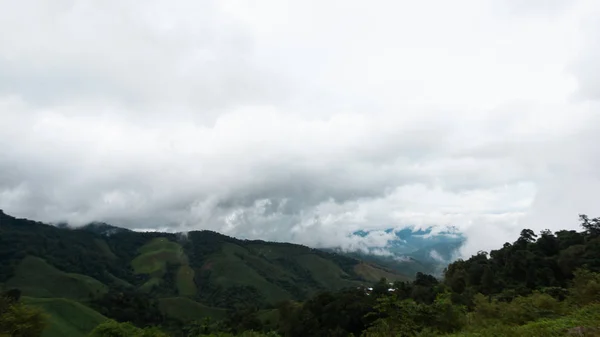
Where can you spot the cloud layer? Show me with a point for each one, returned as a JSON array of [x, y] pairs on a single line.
[[301, 121]]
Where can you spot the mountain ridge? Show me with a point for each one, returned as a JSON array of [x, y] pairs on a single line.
[[217, 266]]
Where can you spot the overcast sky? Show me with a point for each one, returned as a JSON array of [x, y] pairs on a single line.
[[302, 120]]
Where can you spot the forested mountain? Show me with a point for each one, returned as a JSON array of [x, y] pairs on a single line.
[[206, 284], [203, 271]]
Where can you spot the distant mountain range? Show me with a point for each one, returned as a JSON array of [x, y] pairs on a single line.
[[409, 250]]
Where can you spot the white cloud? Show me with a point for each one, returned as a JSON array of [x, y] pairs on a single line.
[[436, 256], [301, 120]]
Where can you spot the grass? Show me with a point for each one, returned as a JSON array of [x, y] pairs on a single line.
[[160, 244], [118, 281], [104, 248], [147, 287], [36, 278], [374, 274], [66, 317], [229, 269], [155, 254], [325, 272], [260, 266], [153, 259], [187, 310], [185, 281]]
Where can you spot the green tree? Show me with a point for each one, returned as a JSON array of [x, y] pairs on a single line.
[[397, 317], [19, 320], [586, 287], [487, 281], [592, 226], [527, 235], [115, 329]]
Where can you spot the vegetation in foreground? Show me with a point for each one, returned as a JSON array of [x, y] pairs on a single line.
[[539, 285]]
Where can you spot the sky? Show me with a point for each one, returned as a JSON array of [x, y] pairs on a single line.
[[302, 121]]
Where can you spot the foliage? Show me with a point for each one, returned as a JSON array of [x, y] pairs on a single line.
[[408, 318], [125, 305], [586, 287], [580, 322], [187, 310], [19, 320], [213, 269], [66, 317], [114, 329], [207, 284]]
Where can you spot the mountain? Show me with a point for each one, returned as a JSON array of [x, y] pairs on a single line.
[[102, 228], [204, 271], [408, 250]]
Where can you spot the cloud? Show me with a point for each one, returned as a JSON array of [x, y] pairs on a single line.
[[436, 256], [300, 121]]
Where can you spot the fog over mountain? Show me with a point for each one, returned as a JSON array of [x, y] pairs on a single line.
[[302, 121]]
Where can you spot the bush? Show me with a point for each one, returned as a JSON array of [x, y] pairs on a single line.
[[19, 320], [586, 288], [114, 329]]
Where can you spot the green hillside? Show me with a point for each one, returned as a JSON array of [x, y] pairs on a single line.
[[153, 259], [162, 278], [187, 310], [372, 273], [36, 278], [155, 255], [207, 284], [228, 268], [66, 317], [120, 272]]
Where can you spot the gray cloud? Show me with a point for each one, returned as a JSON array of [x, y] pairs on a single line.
[[291, 121]]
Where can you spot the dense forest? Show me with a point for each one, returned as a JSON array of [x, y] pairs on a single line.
[[542, 284]]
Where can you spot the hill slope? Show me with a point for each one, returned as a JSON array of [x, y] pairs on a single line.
[[203, 266], [66, 317], [36, 278]]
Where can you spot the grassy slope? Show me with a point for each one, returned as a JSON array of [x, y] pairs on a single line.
[[66, 317], [185, 281], [155, 255], [188, 310], [119, 282], [36, 278], [153, 259], [260, 265], [230, 269], [326, 272], [373, 273], [105, 249]]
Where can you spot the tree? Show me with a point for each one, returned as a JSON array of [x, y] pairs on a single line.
[[447, 317], [487, 281], [527, 235], [591, 226], [548, 243], [586, 287], [398, 317], [381, 288], [112, 328], [19, 320]]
